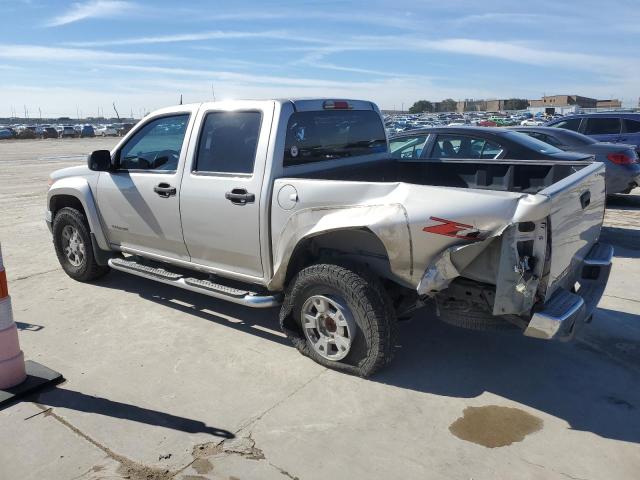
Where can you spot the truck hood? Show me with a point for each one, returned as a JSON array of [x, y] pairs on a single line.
[[79, 171]]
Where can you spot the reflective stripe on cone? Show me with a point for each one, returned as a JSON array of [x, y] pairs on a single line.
[[12, 367], [6, 313]]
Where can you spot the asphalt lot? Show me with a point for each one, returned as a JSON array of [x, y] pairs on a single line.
[[164, 383]]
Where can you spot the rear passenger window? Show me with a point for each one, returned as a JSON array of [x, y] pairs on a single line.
[[602, 126], [569, 124], [632, 126], [228, 142], [457, 146], [330, 134]]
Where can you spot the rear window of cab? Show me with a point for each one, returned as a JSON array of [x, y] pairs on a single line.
[[327, 135]]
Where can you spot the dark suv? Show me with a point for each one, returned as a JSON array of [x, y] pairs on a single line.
[[604, 127]]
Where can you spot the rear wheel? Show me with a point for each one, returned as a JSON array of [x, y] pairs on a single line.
[[341, 317], [74, 250]]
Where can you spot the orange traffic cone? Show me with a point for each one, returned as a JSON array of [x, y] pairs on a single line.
[[17, 377], [12, 369]]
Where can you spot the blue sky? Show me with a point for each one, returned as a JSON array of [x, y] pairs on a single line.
[[61, 57]]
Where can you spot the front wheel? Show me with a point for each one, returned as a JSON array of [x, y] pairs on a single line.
[[341, 317], [72, 242]]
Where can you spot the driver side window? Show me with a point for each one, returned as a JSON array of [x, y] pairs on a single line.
[[156, 146]]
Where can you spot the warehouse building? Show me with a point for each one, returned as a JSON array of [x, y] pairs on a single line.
[[564, 104]]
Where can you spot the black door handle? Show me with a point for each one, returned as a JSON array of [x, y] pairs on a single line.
[[164, 190], [239, 196]]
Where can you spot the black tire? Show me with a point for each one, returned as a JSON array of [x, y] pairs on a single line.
[[88, 269], [370, 306], [471, 316]]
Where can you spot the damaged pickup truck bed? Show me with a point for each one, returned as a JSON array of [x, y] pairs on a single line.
[[299, 202]]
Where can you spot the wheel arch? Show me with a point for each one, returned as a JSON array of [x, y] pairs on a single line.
[[356, 245], [76, 193]]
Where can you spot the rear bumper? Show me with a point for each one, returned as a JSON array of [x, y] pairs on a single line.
[[566, 311]]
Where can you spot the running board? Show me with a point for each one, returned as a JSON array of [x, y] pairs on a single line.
[[205, 287]]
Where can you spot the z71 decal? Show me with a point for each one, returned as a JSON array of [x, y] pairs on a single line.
[[449, 228]]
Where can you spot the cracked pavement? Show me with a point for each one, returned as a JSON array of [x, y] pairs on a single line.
[[167, 384]]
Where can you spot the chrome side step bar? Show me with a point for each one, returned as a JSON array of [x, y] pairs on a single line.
[[205, 287]]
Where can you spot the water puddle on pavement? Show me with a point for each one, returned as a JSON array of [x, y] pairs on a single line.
[[493, 426]]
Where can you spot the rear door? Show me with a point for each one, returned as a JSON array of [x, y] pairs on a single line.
[[221, 188], [603, 128]]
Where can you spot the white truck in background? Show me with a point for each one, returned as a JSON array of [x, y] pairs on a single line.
[[299, 203]]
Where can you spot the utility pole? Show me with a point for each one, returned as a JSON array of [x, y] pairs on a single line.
[[213, 93], [180, 99], [77, 112], [26, 113], [40, 112]]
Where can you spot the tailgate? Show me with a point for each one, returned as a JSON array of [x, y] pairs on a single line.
[[577, 211]]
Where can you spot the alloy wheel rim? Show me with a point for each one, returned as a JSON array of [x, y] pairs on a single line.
[[329, 326], [73, 246]]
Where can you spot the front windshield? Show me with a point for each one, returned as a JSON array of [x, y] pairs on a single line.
[[533, 143]]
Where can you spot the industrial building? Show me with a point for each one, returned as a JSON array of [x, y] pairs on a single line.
[[564, 104]]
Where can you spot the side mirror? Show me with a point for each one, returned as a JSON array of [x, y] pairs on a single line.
[[99, 161]]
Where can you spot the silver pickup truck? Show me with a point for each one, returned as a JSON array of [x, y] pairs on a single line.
[[299, 203]]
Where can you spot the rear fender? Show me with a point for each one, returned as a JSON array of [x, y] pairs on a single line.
[[387, 222]]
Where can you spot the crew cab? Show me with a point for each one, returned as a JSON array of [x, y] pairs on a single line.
[[299, 204]]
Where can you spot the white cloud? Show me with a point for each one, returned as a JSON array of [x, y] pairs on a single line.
[[507, 18], [92, 9], [242, 78], [187, 37], [60, 54], [535, 56]]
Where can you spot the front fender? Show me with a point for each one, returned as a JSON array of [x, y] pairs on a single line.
[[80, 189]]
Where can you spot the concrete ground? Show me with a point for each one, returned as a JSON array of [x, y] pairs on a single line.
[[163, 383]]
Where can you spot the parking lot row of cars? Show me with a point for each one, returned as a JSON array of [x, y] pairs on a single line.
[[403, 122], [63, 131], [610, 138]]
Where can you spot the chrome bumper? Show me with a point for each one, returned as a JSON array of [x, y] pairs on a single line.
[[566, 311]]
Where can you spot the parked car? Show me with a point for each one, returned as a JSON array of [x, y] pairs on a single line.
[[483, 143], [27, 134], [311, 210], [107, 131], [123, 128], [605, 127], [621, 161], [67, 131], [532, 122], [49, 132], [87, 131], [6, 133]]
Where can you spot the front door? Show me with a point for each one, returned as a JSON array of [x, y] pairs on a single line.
[[139, 199], [220, 197]]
